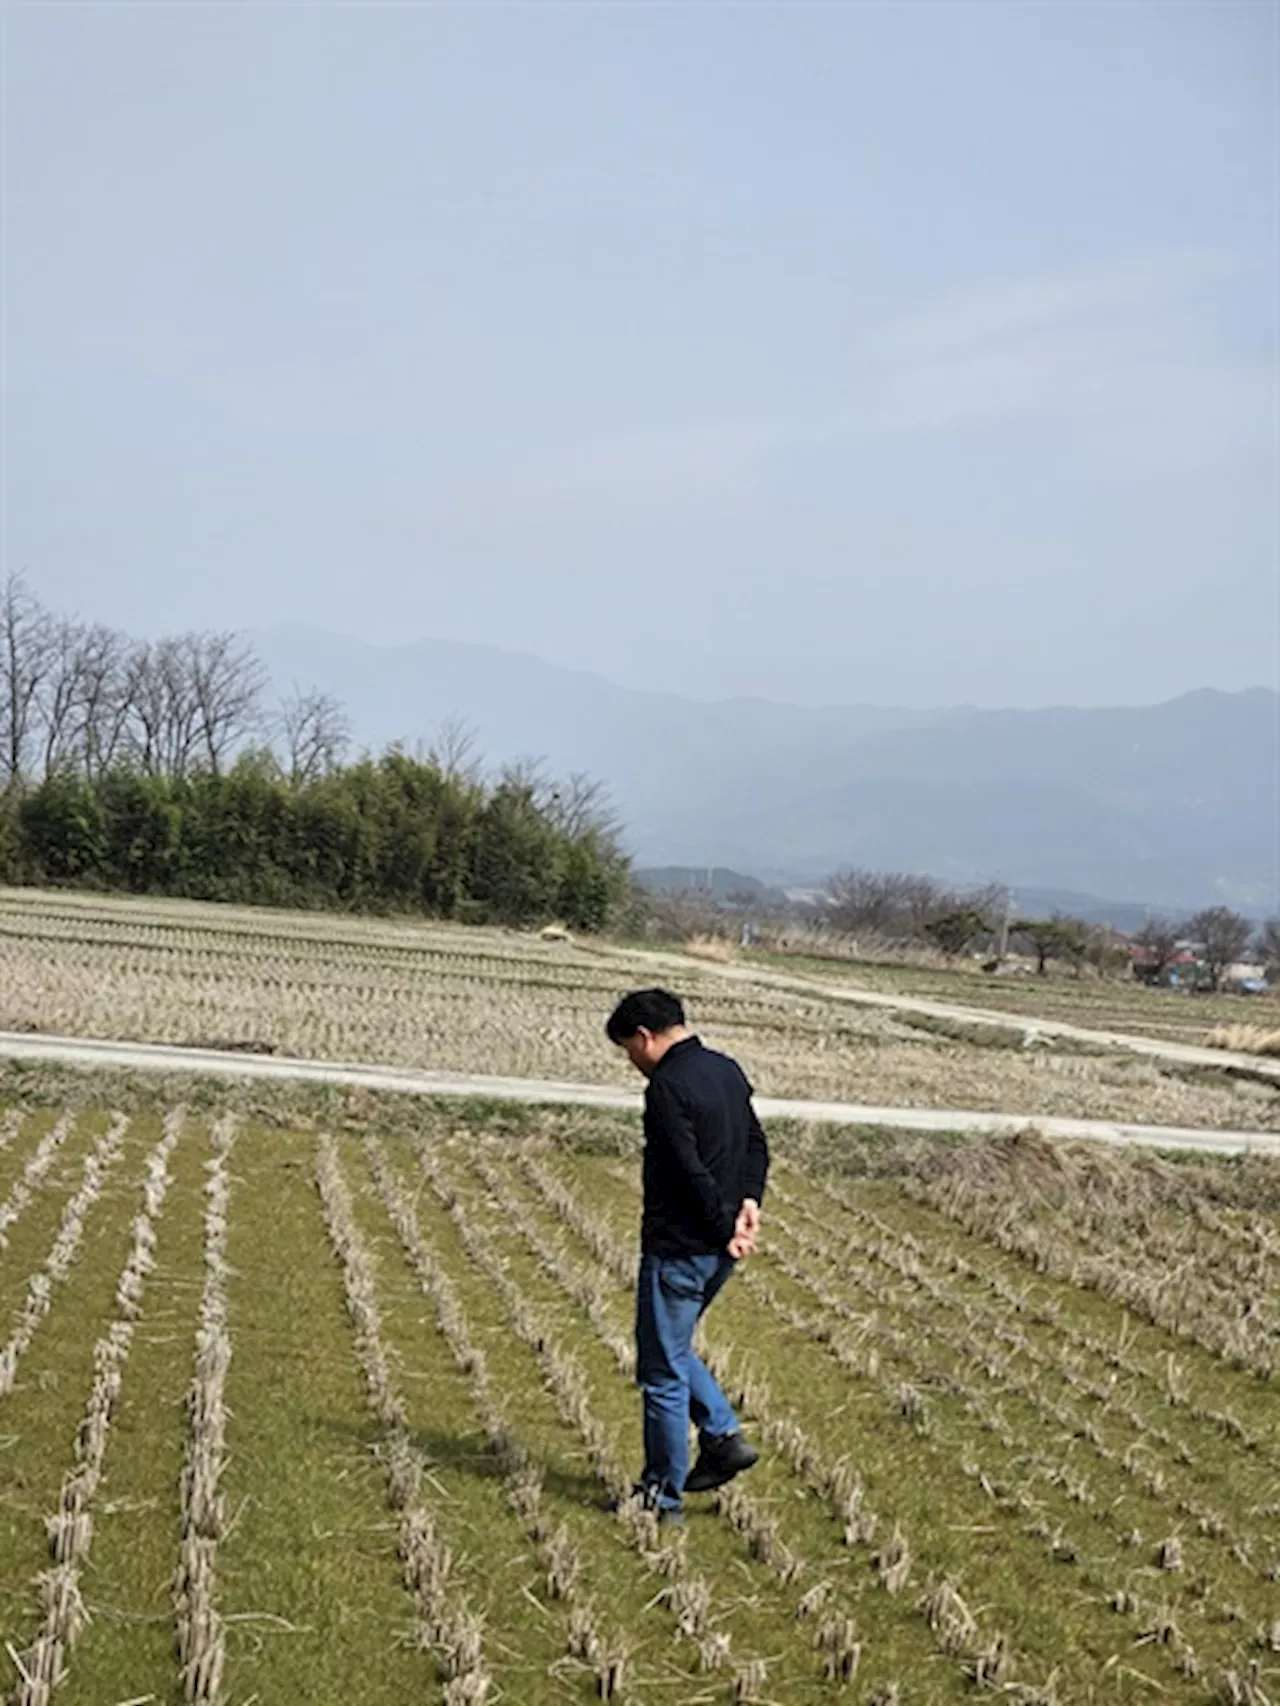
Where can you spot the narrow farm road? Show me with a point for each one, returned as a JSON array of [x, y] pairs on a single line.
[[195, 1062], [1155, 1048]]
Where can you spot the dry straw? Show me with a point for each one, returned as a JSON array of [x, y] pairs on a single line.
[[688, 1597], [837, 1482], [1245, 1039], [445, 1623], [38, 1164], [70, 1529], [617, 1264], [474, 1001], [940, 1326], [57, 1264], [1114, 1246], [201, 1638], [10, 1126], [558, 1553]]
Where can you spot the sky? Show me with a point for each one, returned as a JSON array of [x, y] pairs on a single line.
[[905, 353]]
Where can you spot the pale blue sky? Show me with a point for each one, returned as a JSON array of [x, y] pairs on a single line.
[[913, 353]]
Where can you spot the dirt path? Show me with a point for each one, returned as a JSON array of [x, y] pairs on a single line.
[[160, 1057]]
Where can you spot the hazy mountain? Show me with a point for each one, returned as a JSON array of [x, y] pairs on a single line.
[[716, 881], [1167, 805]]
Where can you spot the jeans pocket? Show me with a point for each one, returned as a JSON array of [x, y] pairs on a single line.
[[682, 1276]]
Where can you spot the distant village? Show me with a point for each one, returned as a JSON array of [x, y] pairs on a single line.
[[1190, 969], [872, 915]]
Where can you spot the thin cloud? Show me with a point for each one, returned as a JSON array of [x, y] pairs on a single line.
[[1115, 352]]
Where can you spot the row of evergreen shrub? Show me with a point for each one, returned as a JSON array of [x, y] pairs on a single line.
[[387, 834]]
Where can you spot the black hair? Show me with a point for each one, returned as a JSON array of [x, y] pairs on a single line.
[[644, 1010]]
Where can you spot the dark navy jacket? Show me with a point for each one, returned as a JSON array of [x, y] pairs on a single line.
[[704, 1151]]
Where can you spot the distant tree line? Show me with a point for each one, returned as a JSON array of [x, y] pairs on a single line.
[[160, 768], [900, 909], [864, 914], [895, 907]]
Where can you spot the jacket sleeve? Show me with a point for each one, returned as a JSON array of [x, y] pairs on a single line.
[[672, 1128], [757, 1155]]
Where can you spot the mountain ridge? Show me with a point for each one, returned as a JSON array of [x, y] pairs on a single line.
[[1170, 805]]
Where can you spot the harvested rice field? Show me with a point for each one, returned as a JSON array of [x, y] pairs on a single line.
[[488, 1001], [325, 1400], [1115, 1004]]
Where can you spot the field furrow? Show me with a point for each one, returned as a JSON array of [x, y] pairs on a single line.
[[1165, 1297], [1185, 1404], [201, 1639], [1131, 1496], [40, 1415], [37, 1167], [309, 1581], [126, 1652], [444, 1621], [42, 1286], [627, 1579], [564, 1573], [1035, 1501], [401, 1467], [778, 1520], [42, 1667]]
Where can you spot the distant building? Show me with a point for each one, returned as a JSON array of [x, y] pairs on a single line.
[[1188, 970], [808, 897], [1246, 978], [1185, 970]]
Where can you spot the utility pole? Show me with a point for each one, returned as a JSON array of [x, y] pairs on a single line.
[[1005, 924]]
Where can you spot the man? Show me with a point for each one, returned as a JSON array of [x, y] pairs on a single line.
[[705, 1164]]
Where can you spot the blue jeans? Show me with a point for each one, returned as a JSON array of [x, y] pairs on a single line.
[[672, 1294]]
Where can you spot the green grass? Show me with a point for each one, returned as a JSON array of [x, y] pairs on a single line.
[[308, 1577], [572, 1496], [955, 1530], [1023, 1406], [39, 1418], [127, 1650]]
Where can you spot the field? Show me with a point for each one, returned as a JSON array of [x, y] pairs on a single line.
[[1111, 1005], [324, 1400], [498, 1002]]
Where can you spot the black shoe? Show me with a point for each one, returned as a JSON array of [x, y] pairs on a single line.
[[719, 1461]]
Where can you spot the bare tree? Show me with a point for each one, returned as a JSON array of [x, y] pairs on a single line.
[[870, 903], [1158, 941], [60, 697], [677, 914], [1269, 945], [25, 651], [192, 700], [314, 731], [528, 775], [1223, 936], [582, 805], [1107, 950], [105, 675], [163, 732], [82, 699], [226, 680], [899, 906], [453, 750]]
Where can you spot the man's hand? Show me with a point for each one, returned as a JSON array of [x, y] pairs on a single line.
[[746, 1228]]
